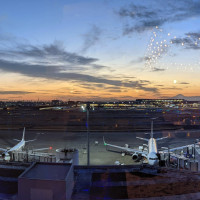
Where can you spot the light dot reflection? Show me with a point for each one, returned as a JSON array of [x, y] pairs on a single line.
[[160, 45]]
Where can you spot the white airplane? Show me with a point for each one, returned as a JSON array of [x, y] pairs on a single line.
[[19, 146], [152, 155]]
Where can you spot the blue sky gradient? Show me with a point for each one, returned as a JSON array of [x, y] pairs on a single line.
[[99, 50]]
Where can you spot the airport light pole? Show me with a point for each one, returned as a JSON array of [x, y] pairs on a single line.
[[88, 134], [197, 142], [194, 152]]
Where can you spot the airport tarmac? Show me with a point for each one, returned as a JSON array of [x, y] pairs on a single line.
[[98, 153]]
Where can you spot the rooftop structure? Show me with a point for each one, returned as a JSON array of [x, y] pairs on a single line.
[[52, 181], [49, 181], [134, 182], [47, 171]]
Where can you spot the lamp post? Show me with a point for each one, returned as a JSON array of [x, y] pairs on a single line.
[[194, 151], [88, 134]]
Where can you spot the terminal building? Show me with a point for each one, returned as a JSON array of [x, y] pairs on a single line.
[[137, 103], [162, 102]]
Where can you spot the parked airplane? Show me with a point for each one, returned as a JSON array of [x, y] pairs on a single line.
[[152, 155], [19, 146]]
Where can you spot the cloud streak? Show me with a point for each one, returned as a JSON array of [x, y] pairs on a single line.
[[91, 38], [190, 41], [145, 15], [53, 53], [53, 62], [184, 83], [14, 92], [155, 69], [56, 73]]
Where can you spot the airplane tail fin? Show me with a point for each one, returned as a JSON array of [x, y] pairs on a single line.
[[23, 134], [151, 129], [104, 141]]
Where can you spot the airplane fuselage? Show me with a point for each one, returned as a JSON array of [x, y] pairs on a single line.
[[152, 152], [152, 145]]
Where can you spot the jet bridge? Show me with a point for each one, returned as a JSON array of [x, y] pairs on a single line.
[[187, 158]]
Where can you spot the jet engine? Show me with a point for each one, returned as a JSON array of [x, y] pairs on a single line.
[[6, 156], [134, 156]]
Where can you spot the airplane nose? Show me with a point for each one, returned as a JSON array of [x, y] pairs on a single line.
[[153, 162]]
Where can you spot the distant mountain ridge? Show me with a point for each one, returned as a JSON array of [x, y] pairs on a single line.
[[188, 98]]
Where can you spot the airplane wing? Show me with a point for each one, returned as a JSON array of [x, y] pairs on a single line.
[[17, 140], [42, 149], [30, 140], [126, 149], [177, 148], [157, 139], [1, 149], [145, 139]]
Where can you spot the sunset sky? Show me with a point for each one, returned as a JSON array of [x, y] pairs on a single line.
[[99, 49]]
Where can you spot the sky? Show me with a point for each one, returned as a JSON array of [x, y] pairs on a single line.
[[99, 49]]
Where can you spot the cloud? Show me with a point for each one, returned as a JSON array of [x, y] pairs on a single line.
[[75, 92], [91, 38], [92, 86], [113, 91], [145, 15], [194, 35], [113, 87], [190, 41], [56, 73], [145, 81], [155, 69], [141, 59], [126, 97], [184, 83], [123, 77], [14, 92], [46, 55], [54, 53], [171, 88], [53, 62], [134, 11], [95, 66]]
